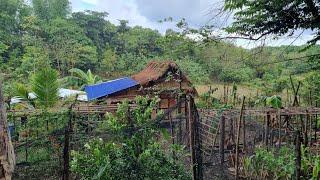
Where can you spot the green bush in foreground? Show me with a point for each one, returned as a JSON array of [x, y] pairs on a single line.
[[280, 164], [133, 152]]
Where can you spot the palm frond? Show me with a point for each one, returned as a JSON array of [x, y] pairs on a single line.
[[78, 73], [21, 91], [45, 85]]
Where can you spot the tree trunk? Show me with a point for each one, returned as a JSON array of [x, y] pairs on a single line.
[[7, 158]]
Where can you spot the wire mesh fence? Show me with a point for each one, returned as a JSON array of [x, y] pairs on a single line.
[[43, 141], [228, 138]]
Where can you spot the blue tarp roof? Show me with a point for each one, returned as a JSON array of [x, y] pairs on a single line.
[[109, 87]]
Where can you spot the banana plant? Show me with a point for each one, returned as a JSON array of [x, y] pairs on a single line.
[[84, 78]]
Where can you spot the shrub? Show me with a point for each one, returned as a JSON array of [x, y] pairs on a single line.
[[236, 74], [133, 152]]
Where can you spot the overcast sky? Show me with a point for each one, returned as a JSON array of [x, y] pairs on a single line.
[[147, 13]]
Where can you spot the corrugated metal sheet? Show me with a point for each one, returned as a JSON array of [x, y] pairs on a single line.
[[109, 87]]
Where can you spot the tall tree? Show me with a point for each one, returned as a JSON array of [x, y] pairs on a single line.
[[69, 46], [11, 15], [93, 24], [264, 17], [50, 9]]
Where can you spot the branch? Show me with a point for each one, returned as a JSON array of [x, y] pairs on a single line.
[[290, 59]]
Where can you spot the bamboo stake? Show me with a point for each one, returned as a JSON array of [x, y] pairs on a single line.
[[315, 127], [238, 138], [222, 138], [298, 155], [266, 135], [279, 117], [244, 133], [306, 132], [191, 139]]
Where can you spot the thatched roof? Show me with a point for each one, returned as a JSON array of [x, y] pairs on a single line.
[[155, 71]]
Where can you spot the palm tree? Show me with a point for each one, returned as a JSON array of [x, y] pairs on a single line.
[[21, 91], [84, 78], [45, 86]]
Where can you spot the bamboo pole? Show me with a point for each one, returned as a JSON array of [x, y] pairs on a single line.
[[191, 139], [66, 148], [298, 155], [315, 127], [279, 118], [306, 132], [222, 139], [238, 138], [244, 133], [266, 128]]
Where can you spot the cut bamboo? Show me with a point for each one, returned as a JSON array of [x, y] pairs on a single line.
[[238, 138]]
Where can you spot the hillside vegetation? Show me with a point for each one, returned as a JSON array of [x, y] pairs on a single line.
[[39, 35]]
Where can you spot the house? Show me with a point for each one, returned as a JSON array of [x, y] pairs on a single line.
[[160, 78]]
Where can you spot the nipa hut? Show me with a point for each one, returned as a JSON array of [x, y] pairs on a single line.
[[160, 78]]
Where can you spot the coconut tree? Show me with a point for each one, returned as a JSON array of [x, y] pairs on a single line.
[[84, 78]]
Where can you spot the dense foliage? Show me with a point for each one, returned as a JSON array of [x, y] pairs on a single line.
[[280, 164], [133, 151], [263, 17], [46, 33]]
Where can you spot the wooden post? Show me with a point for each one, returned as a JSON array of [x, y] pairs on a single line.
[[191, 139], [244, 133], [66, 151], [224, 94], [288, 98], [266, 128], [198, 144], [222, 138], [315, 127], [238, 138], [305, 142], [298, 154], [280, 125], [7, 157], [227, 95], [180, 123]]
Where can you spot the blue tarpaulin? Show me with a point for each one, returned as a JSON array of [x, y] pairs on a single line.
[[109, 87]]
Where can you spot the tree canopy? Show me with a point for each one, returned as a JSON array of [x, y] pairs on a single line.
[[263, 17]]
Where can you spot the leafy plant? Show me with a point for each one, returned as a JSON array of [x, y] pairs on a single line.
[[267, 164], [45, 86], [280, 164], [274, 101], [84, 79], [22, 92], [133, 152]]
